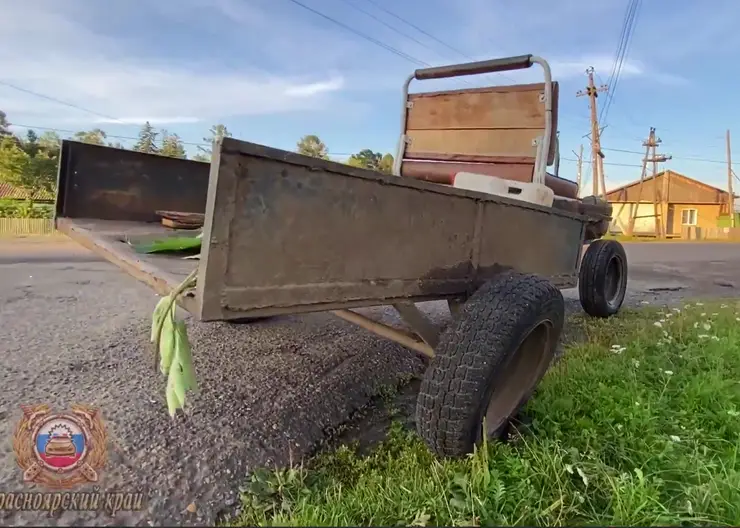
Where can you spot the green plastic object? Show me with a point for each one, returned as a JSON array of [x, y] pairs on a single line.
[[168, 244]]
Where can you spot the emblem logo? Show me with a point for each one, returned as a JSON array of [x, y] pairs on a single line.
[[60, 450]]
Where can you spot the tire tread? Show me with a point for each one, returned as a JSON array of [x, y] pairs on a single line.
[[470, 351]]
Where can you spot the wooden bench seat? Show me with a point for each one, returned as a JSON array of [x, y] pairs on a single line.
[[489, 131]]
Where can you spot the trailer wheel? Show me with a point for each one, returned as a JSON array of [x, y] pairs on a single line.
[[602, 280], [488, 362]]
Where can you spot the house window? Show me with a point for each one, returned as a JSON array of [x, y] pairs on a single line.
[[688, 217]]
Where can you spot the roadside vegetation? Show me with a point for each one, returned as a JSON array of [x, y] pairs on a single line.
[[638, 424], [646, 238], [29, 161], [25, 209]]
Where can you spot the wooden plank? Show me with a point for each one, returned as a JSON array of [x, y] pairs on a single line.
[[472, 145], [441, 172], [98, 237], [492, 108]]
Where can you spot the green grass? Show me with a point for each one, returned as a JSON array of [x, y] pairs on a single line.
[[639, 424]]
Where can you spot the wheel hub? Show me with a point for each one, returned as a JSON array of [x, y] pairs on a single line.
[[519, 375], [613, 282]]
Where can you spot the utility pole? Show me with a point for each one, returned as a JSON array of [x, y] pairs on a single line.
[[731, 197], [579, 168], [597, 156], [651, 156]]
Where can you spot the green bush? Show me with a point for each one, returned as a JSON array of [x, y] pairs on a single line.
[[725, 220], [24, 209]]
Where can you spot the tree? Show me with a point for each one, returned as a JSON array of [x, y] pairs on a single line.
[[31, 143], [116, 144], [386, 164], [30, 173], [311, 145], [172, 146], [366, 158], [217, 132], [4, 124], [147, 141], [50, 141], [12, 161], [93, 137]]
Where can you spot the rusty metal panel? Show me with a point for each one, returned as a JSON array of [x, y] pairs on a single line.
[[285, 233], [114, 184], [540, 243]]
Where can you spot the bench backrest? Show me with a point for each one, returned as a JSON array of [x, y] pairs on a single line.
[[486, 130]]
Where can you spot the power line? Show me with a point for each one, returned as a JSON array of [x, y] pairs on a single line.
[[686, 158], [625, 40], [624, 151], [62, 130], [396, 30], [417, 28], [619, 57], [427, 34], [54, 99], [386, 24], [362, 35], [605, 163]]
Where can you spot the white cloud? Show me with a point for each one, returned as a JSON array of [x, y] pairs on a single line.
[[65, 60], [215, 73], [308, 90]]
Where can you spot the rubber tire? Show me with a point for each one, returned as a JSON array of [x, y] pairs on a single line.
[[592, 278], [459, 381]]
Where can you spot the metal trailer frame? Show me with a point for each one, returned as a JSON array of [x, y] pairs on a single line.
[[290, 234], [328, 237]]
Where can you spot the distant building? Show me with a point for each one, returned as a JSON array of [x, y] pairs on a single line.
[[690, 203], [9, 192]]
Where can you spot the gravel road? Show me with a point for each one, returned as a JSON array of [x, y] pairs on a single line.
[[75, 329]]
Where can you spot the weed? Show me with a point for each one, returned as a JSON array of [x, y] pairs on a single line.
[[639, 424]]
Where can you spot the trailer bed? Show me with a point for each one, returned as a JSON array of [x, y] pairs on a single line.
[[286, 233], [108, 238]]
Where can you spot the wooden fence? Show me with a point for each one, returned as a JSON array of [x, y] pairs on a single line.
[[711, 233], [26, 226]]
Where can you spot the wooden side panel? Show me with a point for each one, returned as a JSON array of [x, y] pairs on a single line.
[[472, 145], [488, 108]]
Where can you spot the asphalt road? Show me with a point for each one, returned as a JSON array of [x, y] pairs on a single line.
[[75, 329]]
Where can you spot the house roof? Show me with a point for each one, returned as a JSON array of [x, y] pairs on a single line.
[[8, 191], [674, 173]]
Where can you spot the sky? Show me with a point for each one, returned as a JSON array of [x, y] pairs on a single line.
[[273, 70]]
